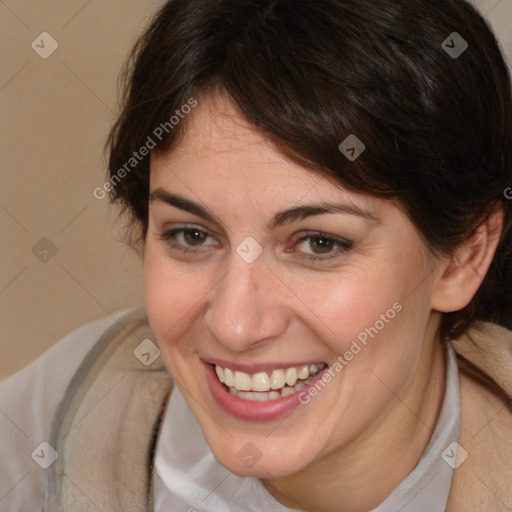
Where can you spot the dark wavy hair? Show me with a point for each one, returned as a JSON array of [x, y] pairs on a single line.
[[307, 73]]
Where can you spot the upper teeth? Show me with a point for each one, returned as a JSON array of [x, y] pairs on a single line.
[[263, 381]]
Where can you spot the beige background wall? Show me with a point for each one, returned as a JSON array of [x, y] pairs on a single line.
[[55, 115]]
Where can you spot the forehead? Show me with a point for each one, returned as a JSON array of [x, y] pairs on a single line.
[[218, 138], [220, 153]]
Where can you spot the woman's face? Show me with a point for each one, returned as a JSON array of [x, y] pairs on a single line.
[[255, 265]]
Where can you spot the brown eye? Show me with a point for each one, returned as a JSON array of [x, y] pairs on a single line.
[[194, 237], [321, 245]]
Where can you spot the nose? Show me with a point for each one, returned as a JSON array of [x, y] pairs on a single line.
[[245, 309]]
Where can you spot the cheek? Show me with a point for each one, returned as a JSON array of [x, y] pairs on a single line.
[[344, 305], [381, 307], [171, 295]]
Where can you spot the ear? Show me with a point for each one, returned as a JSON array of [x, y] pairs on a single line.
[[463, 273]]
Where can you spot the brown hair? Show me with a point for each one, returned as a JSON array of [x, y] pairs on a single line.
[[308, 73]]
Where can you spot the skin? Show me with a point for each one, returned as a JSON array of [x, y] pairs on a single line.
[[360, 436]]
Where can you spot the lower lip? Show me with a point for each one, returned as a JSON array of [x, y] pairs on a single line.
[[253, 411]]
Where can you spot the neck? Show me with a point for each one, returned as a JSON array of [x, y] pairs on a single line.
[[360, 476]]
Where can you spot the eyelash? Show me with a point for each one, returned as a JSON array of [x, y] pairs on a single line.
[[340, 245]]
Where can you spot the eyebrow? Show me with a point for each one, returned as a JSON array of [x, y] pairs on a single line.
[[303, 211], [287, 216], [185, 204]]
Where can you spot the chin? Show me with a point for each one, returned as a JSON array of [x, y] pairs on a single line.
[[261, 456]]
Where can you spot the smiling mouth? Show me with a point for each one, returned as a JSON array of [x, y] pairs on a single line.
[[265, 386]]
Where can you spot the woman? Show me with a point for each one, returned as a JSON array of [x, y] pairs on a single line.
[[317, 190]]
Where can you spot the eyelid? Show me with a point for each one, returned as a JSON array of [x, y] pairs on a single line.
[[187, 227], [313, 233], [320, 234]]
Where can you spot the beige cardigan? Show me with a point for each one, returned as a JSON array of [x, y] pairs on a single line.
[[483, 482], [106, 427]]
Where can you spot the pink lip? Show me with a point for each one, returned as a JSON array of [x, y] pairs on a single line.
[[252, 411]]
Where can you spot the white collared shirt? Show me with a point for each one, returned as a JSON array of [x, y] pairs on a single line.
[[188, 477]]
